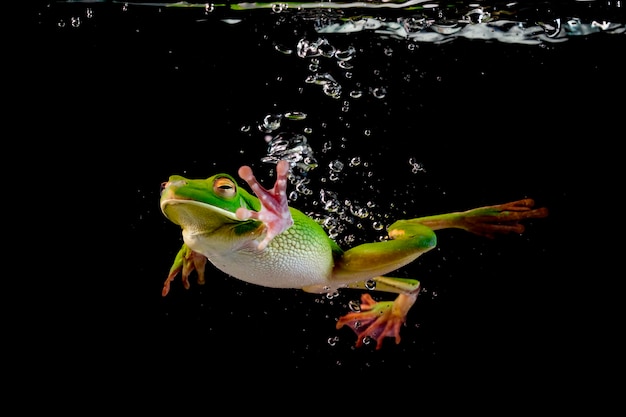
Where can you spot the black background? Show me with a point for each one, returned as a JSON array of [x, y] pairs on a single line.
[[127, 98]]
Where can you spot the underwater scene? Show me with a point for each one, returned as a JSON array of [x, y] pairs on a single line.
[[384, 111]]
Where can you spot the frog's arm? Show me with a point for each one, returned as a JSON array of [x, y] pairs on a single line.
[[274, 212], [411, 238], [186, 261]]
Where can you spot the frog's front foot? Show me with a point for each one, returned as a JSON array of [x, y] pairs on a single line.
[[378, 320], [274, 212], [186, 262]]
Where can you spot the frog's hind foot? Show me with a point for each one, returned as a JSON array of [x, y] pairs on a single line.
[[378, 320], [501, 218]]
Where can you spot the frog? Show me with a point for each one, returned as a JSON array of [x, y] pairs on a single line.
[[260, 239]]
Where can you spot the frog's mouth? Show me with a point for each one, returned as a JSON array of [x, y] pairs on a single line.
[[195, 215]]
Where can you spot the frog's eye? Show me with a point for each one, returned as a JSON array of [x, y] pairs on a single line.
[[224, 187]]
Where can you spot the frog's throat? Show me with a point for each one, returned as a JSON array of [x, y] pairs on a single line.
[[185, 212]]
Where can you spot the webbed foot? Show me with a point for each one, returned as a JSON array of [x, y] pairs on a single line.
[[378, 320], [501, 218], [274, 211], [186, 261]]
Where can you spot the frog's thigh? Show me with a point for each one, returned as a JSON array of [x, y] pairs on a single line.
[[371, 260]]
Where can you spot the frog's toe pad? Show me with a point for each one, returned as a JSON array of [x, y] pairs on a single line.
[[376, 320]]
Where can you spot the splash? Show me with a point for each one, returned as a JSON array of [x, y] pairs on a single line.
[[427, 21]]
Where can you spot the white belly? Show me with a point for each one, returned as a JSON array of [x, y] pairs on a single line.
[[289, 261]]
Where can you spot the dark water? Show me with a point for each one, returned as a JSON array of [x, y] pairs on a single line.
[[429, 110]]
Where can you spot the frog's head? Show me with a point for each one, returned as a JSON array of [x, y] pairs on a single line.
[[202, 206]]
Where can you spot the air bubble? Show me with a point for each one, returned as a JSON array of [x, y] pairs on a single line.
[[271, 122], [356, 161], [345, 65], [356, 94], [295, 115], [346, 54], [379, 92], [336, 165], [278, 7], [359, 211], [354, 306], [332, 294]]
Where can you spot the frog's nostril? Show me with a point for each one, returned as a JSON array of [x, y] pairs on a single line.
[[173, 183]]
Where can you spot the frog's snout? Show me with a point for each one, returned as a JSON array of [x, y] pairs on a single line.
[[172, 183], [164, 185]]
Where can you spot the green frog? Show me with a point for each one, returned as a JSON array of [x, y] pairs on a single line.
[[260, 239]]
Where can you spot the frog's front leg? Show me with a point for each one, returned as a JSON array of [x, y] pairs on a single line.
[[186, 261], [274, 212]]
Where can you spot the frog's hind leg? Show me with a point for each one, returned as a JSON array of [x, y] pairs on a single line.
[[388, 284], [484, 221], [377, 320]]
